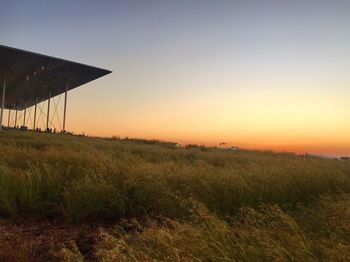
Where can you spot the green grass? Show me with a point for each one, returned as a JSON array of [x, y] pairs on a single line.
[[167, 203]]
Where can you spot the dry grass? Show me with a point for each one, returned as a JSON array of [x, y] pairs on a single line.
[[150, 201]]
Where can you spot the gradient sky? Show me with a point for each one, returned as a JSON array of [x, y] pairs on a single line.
[[256, 74]]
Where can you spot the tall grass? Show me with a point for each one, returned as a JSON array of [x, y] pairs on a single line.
[[179, 203], [266, 233], [81, 178]]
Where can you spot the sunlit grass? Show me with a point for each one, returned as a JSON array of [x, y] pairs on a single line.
[[179, 203]]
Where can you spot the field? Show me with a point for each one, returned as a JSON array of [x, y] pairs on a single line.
[[69, 198]]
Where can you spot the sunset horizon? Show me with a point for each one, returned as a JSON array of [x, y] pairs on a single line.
[[174, 130], [267, 76]]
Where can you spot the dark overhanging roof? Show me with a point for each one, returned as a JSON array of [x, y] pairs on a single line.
[[31, 76]]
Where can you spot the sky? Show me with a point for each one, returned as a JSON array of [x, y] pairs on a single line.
[[270, 74]]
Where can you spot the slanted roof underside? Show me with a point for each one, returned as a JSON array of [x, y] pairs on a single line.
[[31, 76]]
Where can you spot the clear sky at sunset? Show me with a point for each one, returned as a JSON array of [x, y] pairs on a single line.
[[255, 74]]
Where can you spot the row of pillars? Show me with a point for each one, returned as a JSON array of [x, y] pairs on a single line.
[[35, 108]]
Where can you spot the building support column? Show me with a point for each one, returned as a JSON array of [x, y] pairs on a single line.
[[3, 99], [48, 111], [65, 108], [24, 116], [9, 117], [16, 118], [36, 103]]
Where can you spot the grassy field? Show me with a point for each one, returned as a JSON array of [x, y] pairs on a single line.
[[68, 198]]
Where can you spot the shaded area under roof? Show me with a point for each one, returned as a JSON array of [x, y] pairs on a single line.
[[30, 76]]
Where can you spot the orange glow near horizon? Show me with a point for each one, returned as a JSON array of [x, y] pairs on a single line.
[[265, 119], [314, 121]]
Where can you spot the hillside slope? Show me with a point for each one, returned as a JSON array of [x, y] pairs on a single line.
[[76, 198]]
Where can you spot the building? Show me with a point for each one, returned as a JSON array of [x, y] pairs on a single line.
[[28, 79]]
